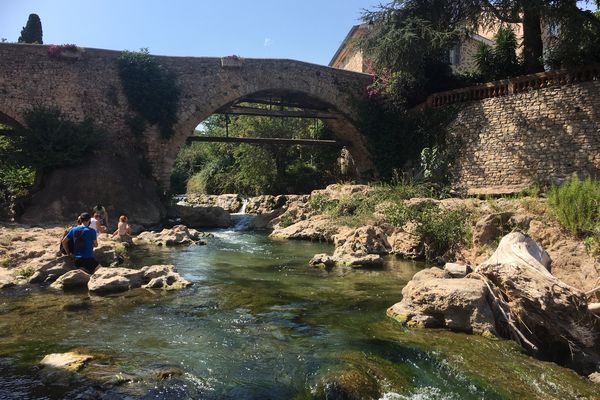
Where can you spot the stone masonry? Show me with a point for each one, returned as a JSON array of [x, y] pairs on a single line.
[[540, 136], [88, 85]]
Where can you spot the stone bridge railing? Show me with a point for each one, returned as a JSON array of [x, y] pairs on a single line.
[[516, 85]]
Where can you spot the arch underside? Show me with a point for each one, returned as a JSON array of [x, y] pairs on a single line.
[[340, 124]]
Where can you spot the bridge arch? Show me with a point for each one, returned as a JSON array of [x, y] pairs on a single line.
[[300, 84], [89, 86]]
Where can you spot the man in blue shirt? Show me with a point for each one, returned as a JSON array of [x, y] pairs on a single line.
[[83, 240]]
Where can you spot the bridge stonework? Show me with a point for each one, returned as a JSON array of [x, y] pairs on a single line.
[[89, 86]]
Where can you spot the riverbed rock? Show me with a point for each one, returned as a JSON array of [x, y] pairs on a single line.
[[107, 256], [520, 249], [265, 220], [179, 235], [571, 263], [405, 244], [317, 228], [364, 240], [201, 216], [52, 270], [553, 315], [58, 368], [75, 279], [457, 270], [231, 203], [265, 203], [491, 226], [163, 277], [114, 280], [350, 384], [430, 300]]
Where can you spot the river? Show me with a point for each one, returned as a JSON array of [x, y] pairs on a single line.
[[258, 323]]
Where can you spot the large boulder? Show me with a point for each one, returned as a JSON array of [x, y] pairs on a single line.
[[359, 247], [163, 277], [405, 244], [201, 216], [265, 204], [114, 280], [52, 270], [490, 226], [364, 240], [179, 235], [431, 300], [317, 228], [231, 203], [520, 249], [59, 368], [547, 316], [75, 279]]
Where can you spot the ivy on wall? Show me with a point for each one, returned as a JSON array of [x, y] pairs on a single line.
[[151, 90]]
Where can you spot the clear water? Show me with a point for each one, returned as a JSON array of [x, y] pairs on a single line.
[[260, 324]]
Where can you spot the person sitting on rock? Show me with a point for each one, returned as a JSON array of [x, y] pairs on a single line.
[[96, 223], [124, 231], [99, 209], [83, 239]]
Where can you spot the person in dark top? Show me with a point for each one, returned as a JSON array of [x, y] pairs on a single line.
[[83, 239]]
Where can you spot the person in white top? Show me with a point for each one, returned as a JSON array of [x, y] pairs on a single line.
[[96, 223]]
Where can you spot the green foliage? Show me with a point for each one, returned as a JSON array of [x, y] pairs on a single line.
[[437, 162], [578, 41], [32, 31], [7, 262], [500, 61], [398, 138], [576, 205], [592, 245], [214, 168], [441, 230], [151, 91], [25, 272], [51, 140]]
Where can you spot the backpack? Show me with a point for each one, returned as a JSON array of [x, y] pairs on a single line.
[[70, 244]]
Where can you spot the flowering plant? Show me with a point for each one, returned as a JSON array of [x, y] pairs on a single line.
[[55, 51]]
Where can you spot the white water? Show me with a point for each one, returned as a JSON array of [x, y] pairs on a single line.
[[242, 220]]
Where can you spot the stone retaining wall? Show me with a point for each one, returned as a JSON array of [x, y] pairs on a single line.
[[512, 142]]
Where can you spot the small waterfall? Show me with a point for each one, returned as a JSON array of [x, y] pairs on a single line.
[[241, 220]]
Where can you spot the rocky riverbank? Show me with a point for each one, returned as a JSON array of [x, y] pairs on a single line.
[[30, 256], [487, 287]]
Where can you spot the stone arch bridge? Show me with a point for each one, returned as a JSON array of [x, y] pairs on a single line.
[[87, 85]]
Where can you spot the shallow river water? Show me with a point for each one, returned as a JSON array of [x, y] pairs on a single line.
[[258, 323]]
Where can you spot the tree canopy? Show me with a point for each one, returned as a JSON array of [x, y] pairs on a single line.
[[32, 31], [409, 35]]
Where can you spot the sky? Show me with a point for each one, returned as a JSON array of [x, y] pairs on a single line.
[[306, 30]]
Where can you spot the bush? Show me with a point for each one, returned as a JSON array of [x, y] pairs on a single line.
[[576, 205], [441, 230], [151, 91], [51, 140]]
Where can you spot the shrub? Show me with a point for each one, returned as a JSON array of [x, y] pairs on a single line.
[[51, 140], [151, 90], [440, 229], [576, 205]]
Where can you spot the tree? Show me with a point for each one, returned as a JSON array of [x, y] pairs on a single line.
[[407, 30], [32, 31]]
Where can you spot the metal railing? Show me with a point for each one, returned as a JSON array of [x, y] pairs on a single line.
[[516, 85]]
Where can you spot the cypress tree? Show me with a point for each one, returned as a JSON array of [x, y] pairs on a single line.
[[32, 31]]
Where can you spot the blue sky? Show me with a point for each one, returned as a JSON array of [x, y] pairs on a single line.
[[307, 30]]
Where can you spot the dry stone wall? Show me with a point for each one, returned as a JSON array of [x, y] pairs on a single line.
[[509, 143]]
